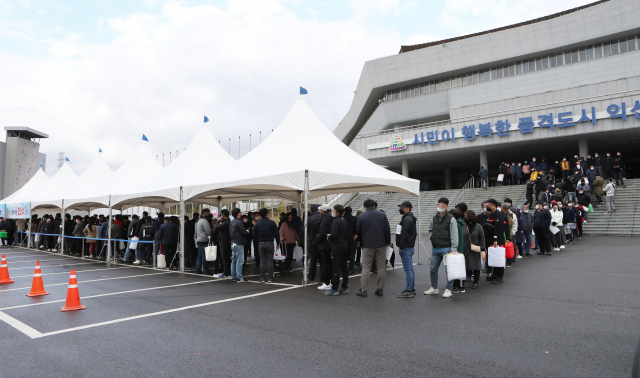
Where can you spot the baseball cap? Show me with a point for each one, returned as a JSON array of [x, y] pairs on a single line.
[[406, 204], [314, 208], [325, 207]]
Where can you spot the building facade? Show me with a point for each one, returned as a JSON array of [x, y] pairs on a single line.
[[562, 85], [20, 158]]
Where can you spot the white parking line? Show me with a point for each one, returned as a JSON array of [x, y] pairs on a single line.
[[20, 326], [117, 293], [49, 266], [100, 279], [39, 334], [32, 261], [77, 271]]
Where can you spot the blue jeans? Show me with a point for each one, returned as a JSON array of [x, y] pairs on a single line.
[[571, 197], [527, 243], [201, 260], [436, 258], [406, 255], [128, 252], [484, 181], [237, 259]]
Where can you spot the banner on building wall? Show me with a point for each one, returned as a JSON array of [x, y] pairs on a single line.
[[3, 210], [17, 210]]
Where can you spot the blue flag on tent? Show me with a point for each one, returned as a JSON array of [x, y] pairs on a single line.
[[67, 159], [206, 119], [100, 150], [41, 166], [144, 138], [303, 91]]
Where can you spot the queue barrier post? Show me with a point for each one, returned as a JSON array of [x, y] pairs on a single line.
[[82, 251], [154, 254]]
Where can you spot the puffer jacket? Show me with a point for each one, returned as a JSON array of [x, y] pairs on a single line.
[[373, 229], [557, 216], [222, 227], [324, 229], [313, 226]]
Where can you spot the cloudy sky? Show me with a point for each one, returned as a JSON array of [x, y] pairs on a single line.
[[99, 74]]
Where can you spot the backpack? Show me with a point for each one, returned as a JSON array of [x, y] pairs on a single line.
[[147, 230]]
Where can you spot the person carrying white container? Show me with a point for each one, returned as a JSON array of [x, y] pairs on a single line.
[[443, 233]]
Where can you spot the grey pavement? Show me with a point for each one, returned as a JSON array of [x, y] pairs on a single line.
[[573, 314]]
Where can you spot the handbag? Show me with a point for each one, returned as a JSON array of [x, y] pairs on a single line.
[[298, 253], [210, 252], [474, 248], [279, 254]]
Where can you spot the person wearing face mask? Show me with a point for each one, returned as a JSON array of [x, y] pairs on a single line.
[[289, 237], [527, 228], [565, 168], [580, 212], [526, 170], [608, 165], [541, 224], [373, 229], [324, 247], [203, 237], [617, 172], [484, 177], [534, 164], [443, 233], [610, 191], [556, 220], [591, 175], [597, 163], [494, 236], [256, 250], [557, 169], [570, 189], [622, 168], [544, 167], [529, 192], [584, 185], [568, 218], [405, 240], [504, 171], [513, 173], [598, 185], [339, 254], [519, 174]]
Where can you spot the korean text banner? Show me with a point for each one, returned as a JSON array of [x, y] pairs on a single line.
[[18, 210]]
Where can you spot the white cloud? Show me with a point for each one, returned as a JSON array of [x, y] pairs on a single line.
[[25, 4], [241, 65]]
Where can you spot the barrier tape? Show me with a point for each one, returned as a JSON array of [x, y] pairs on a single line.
[[78, 237]]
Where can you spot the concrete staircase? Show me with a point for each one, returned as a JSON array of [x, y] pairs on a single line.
[[624, 222]]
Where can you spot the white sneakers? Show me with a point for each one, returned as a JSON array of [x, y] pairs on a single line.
[[562, 247], [519, 257], [137, 262], [432, 291], [446, 294], [324, 287]]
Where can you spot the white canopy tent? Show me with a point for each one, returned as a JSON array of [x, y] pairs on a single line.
[[203, 157], [60, 180], [314, 163], [35, 184], [56, 196], [138, 168]]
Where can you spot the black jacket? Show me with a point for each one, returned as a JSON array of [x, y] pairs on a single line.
[[338, 237], [238, 232], [189, 232], [407, 236], [541, 218], [373, 229], [57, 222], [224, 237], [69, 225], [168, 233], [265, 231], [351, 225], [9, 225], [494, 228], [324, 229], [313, 226], [584, 198], [608, 164]]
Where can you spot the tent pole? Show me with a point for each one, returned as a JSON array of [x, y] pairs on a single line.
[[109, 233], [305, 282], [29, 229], [419, 232], [62, 230], [181, 232]]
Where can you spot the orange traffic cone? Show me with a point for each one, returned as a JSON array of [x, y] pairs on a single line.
[[4, 272], [73, 296], [37, 287]]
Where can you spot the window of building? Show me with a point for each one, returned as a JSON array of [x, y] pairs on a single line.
[[454, 82], [518, 68], [481, 76], [574, 56], [631, 44], [499, 70], [583, 55], [475, 77], [607, 48], [552, 61], [538, 64], [432, 85], [389, 95], [459, 80], [597, 50], [512, 70], [525, 66], [438, 86], [465, 79], [589, 52], [614, 48], [403, 93], [623, 46], [545, 62], [446, 83], [560, 59]]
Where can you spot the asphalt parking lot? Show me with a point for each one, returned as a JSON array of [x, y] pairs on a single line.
[[573, 314]]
